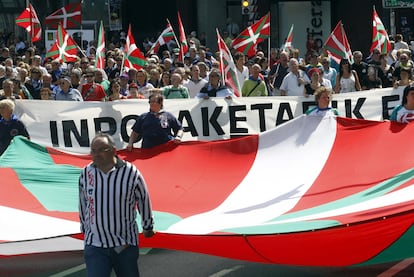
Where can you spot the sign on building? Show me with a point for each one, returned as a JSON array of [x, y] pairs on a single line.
[[394, 4]]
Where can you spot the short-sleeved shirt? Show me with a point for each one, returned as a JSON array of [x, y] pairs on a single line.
[[93, 92], [72, 95], [253, 87], [171, 92], [291, 85], [156, 128], [208, 90], [402, 115], [194, 86], [316, 111], [10, 129]]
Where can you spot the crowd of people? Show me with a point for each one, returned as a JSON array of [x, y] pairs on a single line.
[[283, 72], [27, 75]]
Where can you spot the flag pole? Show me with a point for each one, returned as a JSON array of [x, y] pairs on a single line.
[[124, 54], [81, 32], [175, 37], [181, 27], [222, 73], [30, 34], [268, 43], [81, 50]]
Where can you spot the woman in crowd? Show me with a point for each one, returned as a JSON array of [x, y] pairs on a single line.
[[347, 80], [404, 113], [323, 97], [385, 72], [165, 79], [114, 91], [311, 87], [144, 88]]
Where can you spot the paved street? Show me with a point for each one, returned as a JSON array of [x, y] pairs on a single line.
[[159, 262]]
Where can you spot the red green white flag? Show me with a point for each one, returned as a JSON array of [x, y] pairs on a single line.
[[183, 39], [166, 36], [317, 217], [380, 38], [288, 42], [227, 66], [337, 44], [28, 20], [134, 58], [100, 50], [247, 41], [70, 16], [65, 48]]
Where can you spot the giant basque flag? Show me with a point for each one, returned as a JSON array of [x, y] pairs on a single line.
[[320, 191]]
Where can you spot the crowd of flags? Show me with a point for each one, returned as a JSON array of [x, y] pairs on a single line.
[[65, 48]]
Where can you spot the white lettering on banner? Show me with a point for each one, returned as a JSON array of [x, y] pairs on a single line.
[[70, 126]]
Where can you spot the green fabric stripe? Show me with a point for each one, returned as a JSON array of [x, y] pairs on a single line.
[[41, 176], [137, 60], [374, 192]]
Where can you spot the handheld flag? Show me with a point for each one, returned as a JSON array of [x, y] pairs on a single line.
[[65, 48], [134, 58], [166, 36], [288, 42], [247, 41], [183, 39], [380, 38], [227, 66], [100, 51], [28, 19], [337, 44], [70, 16]]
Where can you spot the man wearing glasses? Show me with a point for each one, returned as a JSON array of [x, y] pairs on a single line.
[[92, 91], [65, 92], [157, 126], [214, 87], [111, 191]]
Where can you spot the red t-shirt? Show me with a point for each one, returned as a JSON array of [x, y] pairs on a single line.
[[95, 93]]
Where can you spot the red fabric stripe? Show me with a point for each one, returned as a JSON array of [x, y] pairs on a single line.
[[190, 178], [364, 154], [342, 246]]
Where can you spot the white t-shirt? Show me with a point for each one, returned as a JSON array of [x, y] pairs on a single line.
[[194, 87], [291, 86], [242, 76], [402, 115]]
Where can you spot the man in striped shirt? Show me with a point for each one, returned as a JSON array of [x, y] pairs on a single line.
[[110, 190]]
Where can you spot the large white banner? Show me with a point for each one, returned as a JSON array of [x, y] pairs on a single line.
[[70, 126]]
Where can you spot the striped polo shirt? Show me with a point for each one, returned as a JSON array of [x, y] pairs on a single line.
[[107, 205]]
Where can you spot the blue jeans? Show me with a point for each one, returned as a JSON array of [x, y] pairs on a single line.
[[100, 261]]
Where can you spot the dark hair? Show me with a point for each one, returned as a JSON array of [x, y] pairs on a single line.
[[238, 55], [114, 81], [407, 90], [342, 62], [157, 97]]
